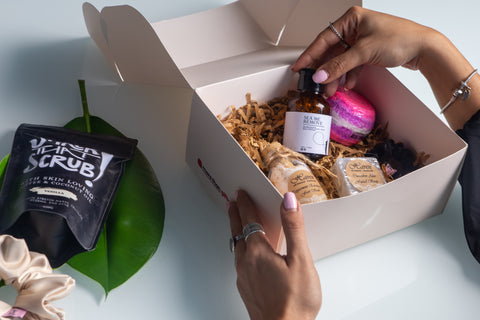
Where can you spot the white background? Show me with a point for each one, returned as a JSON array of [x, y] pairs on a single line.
[[422, 272]]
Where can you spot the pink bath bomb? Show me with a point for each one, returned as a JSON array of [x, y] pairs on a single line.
[[353, 117]]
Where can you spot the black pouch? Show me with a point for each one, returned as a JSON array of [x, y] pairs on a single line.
[[59, 187]]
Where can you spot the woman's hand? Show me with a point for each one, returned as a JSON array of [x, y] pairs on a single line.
[[374, 38], [274, 286], [388, 41]]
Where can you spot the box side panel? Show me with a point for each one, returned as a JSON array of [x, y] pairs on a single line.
[[409, 120], [310, 17], [211, 35], [262, 86], [223, 167]]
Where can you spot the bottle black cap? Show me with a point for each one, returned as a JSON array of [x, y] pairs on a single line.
[[306, 83]]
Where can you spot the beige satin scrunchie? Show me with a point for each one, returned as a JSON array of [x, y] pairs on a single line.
[[31, 275]]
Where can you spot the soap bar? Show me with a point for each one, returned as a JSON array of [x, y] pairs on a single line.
[[355, 175]]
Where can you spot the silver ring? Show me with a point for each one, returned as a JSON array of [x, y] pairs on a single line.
[[233, 242], [342, 41], [252, 228]]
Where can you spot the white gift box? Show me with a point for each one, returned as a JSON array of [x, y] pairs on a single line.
[[248, 46]]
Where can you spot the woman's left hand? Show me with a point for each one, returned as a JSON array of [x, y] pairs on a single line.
[[274, 286]]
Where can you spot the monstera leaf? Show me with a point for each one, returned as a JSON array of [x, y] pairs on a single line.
[[134, 226]]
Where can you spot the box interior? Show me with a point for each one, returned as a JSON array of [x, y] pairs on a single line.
[[389, 97], [362, 216]]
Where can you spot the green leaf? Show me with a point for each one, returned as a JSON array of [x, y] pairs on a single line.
[[134, 226], [3, 166]]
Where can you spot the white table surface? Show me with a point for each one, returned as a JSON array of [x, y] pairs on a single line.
[[422, 272]]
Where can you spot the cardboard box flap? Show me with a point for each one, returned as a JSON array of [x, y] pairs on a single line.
[[270, 15], [214, 36], [222, 43], [131, 46], [295, 22], [94, 28], [310, 17]]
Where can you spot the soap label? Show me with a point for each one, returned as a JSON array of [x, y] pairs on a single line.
[[306, 187], [307, 132], [363, 175]]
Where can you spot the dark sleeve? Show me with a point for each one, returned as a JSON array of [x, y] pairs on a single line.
[[470, 181]]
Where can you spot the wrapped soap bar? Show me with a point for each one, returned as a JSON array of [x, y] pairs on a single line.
[[290, 174], [355, 175]]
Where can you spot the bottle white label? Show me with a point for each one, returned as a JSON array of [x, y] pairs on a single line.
[[307, 132]]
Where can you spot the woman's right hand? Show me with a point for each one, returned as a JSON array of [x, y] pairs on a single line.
[[384, 40], [374, 38]]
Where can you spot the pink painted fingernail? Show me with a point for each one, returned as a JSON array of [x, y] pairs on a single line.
[[320, 76], [290, 201]]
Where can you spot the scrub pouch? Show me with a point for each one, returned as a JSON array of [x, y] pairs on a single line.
[[59, 187]]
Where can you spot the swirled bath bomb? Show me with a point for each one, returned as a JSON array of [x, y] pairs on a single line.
[[353, 117]]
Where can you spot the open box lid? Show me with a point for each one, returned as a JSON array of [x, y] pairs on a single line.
[[234, 40]]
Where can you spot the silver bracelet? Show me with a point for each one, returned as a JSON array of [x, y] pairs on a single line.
[[463, 90]]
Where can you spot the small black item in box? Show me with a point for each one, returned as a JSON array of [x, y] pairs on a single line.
[[401, 159], [59, 186]]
